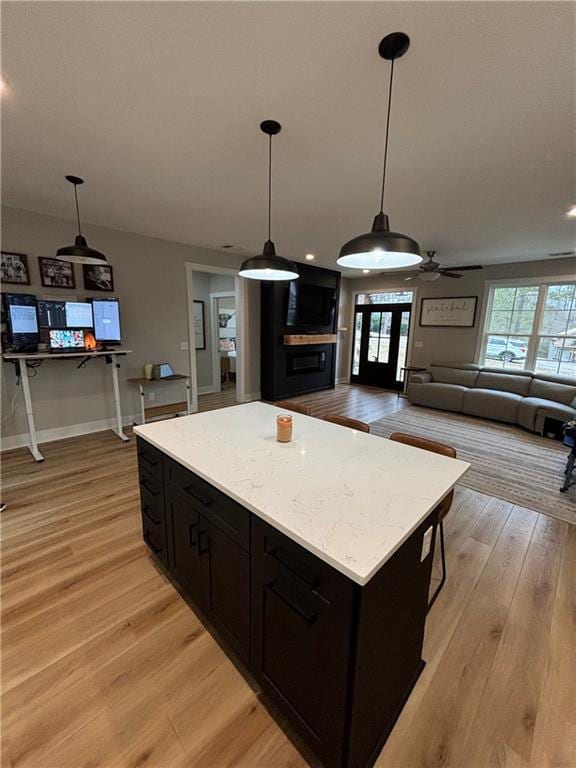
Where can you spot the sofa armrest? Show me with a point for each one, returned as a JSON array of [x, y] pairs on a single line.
[[420, 378]]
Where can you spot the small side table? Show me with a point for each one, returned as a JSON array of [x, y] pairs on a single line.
[[168, 409], [406, 371]]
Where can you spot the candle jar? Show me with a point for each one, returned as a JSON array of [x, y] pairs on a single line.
[[284, 428]]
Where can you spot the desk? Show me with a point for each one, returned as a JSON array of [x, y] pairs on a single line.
[[169, 409], [21, 360]]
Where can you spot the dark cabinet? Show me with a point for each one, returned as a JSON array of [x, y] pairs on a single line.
[[337, 659], [225, 575], [185, 561], [302, 618]]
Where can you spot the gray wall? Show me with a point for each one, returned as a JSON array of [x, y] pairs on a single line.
[[455, 344], [150, 282], [204, 284]]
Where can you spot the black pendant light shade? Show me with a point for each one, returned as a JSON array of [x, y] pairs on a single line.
[[80, 252], [269, 266], [380, 248]]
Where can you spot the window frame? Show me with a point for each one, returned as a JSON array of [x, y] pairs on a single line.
[[535, 335]]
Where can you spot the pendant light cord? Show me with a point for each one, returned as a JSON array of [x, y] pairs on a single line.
[[77, 209], [387, 134], [269, 186]]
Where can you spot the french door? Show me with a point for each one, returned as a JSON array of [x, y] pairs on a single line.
[[380, 344]]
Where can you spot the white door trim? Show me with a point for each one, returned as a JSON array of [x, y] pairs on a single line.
[[216, 374], [241, 298]]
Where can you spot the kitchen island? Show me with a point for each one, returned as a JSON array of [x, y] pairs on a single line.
[[310, 560]]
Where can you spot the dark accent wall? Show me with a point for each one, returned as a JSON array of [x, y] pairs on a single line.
[[295, 370]]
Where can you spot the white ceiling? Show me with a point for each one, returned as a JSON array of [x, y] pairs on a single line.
[[157, 105]]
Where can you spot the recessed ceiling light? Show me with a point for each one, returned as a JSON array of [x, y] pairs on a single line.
[[366, 271], [310, 257], [572, 211]]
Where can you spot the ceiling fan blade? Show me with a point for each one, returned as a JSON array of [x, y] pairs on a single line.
[[446, 273], [466, 268]]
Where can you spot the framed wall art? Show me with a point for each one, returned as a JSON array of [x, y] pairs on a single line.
[[56, 274], [451, 312], [14, 268]]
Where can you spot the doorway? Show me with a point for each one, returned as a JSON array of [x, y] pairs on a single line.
[[214, 292], [380, 344]]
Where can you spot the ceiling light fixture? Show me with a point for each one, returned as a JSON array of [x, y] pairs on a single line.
[[269, 266], [366, 271], [80, 252], [572, 211], [381, 248], [310, 257]]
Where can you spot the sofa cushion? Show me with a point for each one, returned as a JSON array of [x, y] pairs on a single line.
[[533, 407], [446, 397], [552, 390], [445, 375], [491, 404], [505, 382]]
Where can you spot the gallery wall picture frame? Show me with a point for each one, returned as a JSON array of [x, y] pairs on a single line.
[[14, 268], [55, 273], [98, 277], [199, 324], [449, 312]]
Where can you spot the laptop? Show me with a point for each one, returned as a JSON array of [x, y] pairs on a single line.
[[66, 340], [164, 371]]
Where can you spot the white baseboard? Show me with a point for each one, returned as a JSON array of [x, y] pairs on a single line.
[[59, 433], [206, 390]]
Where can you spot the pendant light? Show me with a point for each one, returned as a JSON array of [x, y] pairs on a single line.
[[80, 252], [381, 248], [269, 266]]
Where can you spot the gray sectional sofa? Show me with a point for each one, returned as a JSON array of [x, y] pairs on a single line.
[[517, 397]]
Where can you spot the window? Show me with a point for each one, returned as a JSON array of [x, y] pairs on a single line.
[[531, 327], [386, 297]]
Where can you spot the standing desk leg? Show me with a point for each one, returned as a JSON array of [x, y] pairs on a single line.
[[142, 409], [118, 429], [29, 412], [188, 403]]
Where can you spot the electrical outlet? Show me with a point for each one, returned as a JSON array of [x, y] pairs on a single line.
[[418, 344], [151, 396], [426, 544], [183, 346]]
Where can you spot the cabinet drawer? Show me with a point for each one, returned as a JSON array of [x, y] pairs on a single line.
[[154, 535], [151, 485], [231, 518], [149, 458]]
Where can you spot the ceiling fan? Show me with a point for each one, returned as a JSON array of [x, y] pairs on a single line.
[[431, 270]]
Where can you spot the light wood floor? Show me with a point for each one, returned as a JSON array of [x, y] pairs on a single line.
[[105, 665]]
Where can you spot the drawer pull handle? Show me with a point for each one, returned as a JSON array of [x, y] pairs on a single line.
[[204, 502], [148, 461], [203, 543], [277, 589], [148, 512], [145, 485], [150, 544], [295, 567], [191, 541]]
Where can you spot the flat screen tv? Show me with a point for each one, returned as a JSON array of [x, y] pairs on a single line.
[[310, 306]]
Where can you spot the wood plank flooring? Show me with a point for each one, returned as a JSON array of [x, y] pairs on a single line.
[[103, 664]]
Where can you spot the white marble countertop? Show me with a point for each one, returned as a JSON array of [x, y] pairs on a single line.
[[349, 498]]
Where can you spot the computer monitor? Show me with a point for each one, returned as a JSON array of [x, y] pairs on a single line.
[[66, 340], [22, 321], [79, 314], [107, 320], [51, 314]]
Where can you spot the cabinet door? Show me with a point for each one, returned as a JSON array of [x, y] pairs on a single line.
[[184, 530], [301, 641], [225, 569]]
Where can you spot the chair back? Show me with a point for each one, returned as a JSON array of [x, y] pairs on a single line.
[[344, 421], [433, 447], [288, 405]]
